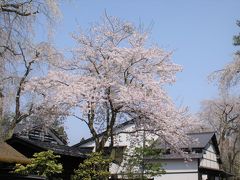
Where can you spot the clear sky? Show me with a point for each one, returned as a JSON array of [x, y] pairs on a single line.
[[199, 32]]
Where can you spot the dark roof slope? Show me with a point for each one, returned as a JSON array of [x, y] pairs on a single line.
[[202, 138], [196, 140], [44, 146]]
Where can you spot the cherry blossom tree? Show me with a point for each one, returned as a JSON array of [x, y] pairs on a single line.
[[20, 58], [229, 76], [222, 115], [115, 75]]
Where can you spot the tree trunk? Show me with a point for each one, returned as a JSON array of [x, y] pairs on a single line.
[[6, 130], [1, 101]]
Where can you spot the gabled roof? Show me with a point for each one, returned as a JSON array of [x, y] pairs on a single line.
[[198, 140], [10, 155], [203, 138]]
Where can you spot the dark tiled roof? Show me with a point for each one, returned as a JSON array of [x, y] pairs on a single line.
[[85, 150], [202, 138], [196, 140], [58, 149]]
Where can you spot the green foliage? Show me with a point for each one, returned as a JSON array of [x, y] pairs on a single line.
[[42, 164], [236, 38], [93, 168], [143, 163]]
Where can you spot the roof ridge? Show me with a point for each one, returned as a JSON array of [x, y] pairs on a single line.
[[207, 132]]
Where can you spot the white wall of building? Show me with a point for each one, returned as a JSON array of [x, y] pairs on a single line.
[[179, 170], [209, 158], [182, 176], [121, 139], [173, 166], [126, 139]]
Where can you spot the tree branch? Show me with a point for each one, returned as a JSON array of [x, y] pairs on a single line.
[[18, 117]]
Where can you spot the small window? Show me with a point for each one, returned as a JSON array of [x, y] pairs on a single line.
[[198, 150], [117, 154], [167, 151]]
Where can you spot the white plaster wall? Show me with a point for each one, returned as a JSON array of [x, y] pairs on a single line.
[[183, 176], [129, 140], [179, 170], [209, 158], [125, 139], [121, 139], [204, 177], [172, 166]]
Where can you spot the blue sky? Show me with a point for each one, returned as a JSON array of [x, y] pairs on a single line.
[[199, 32]]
